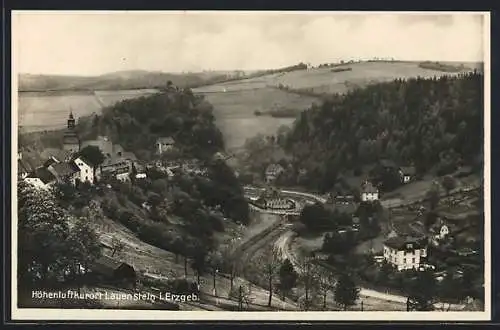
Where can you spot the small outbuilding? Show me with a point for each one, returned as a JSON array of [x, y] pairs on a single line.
[[112, 271]]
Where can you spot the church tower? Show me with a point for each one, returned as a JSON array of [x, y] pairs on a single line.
[[71, 142]]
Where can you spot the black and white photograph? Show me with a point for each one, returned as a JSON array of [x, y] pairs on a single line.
[[250, 165]]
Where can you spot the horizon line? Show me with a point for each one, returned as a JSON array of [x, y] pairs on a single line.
[[244, 70]]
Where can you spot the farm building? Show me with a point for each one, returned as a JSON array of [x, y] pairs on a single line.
[[112, 271]]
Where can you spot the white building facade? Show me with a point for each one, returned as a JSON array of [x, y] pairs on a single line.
[[86, 170], [404, 254]]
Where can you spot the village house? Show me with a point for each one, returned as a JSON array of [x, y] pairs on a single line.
[[405, 252], [273, 171], [41, 178], [65, 172], [117, 163], [164, 144], [73, 171], [86, 169], [369, 193], [407, 173], [440, 232], [139, 170], [60, 155]]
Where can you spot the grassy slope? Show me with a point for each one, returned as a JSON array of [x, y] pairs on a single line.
[[236, 101]]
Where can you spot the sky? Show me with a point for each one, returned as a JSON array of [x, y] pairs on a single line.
[[93, 43]]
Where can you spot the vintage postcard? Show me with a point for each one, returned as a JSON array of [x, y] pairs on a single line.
[[207, 165]]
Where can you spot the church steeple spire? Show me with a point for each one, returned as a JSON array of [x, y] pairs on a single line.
[[71, 120]]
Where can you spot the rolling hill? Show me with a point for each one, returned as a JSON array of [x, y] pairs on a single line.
[[235, 102], [133, 79]]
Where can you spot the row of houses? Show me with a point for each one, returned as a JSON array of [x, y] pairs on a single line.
[[68, 166], [55, 170]]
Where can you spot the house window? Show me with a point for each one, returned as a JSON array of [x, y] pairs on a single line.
[[412, 260]]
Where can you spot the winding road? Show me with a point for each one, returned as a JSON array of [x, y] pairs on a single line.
[[283, 237]]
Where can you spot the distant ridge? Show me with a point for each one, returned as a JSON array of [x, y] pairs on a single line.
[[131, 79]]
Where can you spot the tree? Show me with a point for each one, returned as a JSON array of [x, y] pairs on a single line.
[[430, 219], [421, 291], [117, 246], [214, 261], [49, 248], [43, 234], [346, 293], [199, 260], [308, 277], [64, 192], [315, 217], [448, 184], [85, 247], [450, 289], [270, 263], [229, 261], [242, 294], [326, 283], [92, 154], [288, 277], [433, 196]]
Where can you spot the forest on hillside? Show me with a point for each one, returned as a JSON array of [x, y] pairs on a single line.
[[434, 124], [137, 123]]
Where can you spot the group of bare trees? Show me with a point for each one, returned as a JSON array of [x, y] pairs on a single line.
[[310, 282]]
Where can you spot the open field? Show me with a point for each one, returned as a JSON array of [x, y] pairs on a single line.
[[236, 101], [40, 111], [325, 81], [234, 111]]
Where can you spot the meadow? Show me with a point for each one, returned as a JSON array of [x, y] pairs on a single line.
[[39, 111], [234, 111]]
